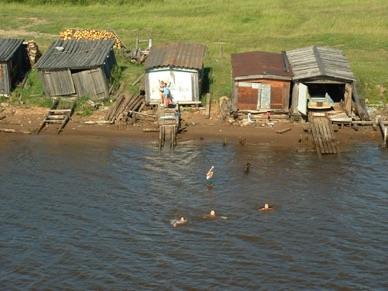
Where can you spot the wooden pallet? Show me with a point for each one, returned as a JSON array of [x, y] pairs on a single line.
[[323, 135], [58, 114]]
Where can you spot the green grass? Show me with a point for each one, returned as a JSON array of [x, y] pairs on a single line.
[[357, 27]]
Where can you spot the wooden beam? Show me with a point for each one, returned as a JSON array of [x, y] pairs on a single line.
[[283, 130], [207, 113]]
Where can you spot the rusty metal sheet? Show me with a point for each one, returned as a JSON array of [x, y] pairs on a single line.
[[260, 63], [247, 97], [183, 55]]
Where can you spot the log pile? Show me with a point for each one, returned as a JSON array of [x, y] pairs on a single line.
[[125, 105], [33, 51], [91, 34]]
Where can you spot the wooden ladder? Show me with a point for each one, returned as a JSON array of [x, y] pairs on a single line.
[[58, 115]]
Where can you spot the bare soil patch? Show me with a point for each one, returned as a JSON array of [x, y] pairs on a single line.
[[195, 126]]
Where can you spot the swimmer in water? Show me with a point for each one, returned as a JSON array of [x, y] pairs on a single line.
[[246, 168], [209, 177], [266, 207], [212, 213], [181, 220]]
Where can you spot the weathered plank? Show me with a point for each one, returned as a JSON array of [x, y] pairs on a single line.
[[323, 135]]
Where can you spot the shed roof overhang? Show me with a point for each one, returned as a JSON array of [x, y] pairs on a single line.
[[323, 80], [264, 77]]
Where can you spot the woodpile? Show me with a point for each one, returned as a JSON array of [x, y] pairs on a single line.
[[125, 105], [91, 34], [33, 51]]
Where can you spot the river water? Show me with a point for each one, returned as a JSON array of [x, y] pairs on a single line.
[[94, 214]]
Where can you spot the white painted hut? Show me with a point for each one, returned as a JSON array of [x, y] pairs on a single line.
[[180, 66]]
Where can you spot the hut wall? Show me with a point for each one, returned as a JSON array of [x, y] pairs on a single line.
[[262, 95], [185, 85], [92, 83]]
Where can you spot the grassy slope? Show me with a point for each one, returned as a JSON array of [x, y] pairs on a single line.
[[358, 27]]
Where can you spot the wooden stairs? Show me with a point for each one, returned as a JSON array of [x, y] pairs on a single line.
[[169, 123], [59, 113]]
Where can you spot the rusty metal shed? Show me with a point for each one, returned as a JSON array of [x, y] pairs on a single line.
[[181, 66], [14, 64], [77, 68], [319, 71], [261, 81]]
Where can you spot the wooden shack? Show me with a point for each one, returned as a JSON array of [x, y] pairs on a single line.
[[14, 64], [261, 82], [180, 66], [323, 74], [77, 68]]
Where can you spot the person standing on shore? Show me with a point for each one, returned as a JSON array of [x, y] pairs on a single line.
[[209, 176], [166, 93], [268, 116], [161, 90]]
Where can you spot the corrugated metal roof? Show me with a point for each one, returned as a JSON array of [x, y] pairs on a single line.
[[8, 46], [260, 63], [182, 55], [75, 54], [313, 62]]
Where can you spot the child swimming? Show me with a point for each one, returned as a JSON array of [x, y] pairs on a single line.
[[181, 220]]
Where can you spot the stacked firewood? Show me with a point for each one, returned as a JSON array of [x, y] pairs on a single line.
[[91, 34], [33, 51], [125, 105]]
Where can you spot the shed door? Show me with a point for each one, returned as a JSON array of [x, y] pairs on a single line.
[[302, 99], [265, 97], [58, 83], [90, 83], [2, 79], [183, 89], [248, 96]]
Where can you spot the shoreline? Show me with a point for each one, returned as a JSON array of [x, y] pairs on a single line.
[[194, 126]]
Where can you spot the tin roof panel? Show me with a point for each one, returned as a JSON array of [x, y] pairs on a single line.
[[182, 55], [75, 54], [8, 46], [313, 62]]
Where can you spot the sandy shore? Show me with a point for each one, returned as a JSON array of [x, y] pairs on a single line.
[[194, 127]]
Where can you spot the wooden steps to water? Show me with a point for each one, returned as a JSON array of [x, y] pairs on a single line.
[[58, 114], [323, 135], [169, 123]]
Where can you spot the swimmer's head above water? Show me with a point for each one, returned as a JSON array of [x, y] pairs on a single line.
[[266, 207]]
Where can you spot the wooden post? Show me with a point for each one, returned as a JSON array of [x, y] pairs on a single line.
[[207, 114], [383, 131]]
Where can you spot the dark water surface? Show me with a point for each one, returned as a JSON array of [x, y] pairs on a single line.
[[94, 214]]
